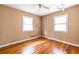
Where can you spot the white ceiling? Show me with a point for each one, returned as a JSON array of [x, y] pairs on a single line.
[[34, 9]]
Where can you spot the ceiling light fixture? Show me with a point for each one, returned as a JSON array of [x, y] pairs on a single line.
[[42, 6], [61, 7]]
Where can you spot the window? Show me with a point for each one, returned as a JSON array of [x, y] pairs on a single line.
[[60, 23], [27, 23]]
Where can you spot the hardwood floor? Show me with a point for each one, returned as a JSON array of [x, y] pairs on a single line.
[[40, 46]]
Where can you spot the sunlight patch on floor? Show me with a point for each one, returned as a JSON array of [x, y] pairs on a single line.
[[30, 49], [58, 51]]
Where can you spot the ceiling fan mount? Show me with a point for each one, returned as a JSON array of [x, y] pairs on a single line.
[[43, 6]]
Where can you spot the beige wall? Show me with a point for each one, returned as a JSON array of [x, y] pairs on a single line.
[[73, 25], [11, 25], [0, 28]]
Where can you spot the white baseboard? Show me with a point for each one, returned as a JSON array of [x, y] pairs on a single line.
[[73, 44], [1, 46]]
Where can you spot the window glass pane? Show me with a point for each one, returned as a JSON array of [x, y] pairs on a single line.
[[60, 23], [61, 19], [27, 28], [61, 27], [27, 23], [27, 20]]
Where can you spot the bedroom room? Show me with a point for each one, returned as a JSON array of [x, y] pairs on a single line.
[[39, 29]]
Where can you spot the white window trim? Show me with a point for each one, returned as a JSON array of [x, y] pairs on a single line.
[[66, 23], [28, 24]]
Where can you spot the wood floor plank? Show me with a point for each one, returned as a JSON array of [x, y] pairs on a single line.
[[40, 46]]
